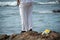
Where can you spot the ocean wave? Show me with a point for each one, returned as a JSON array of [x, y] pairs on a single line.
[[47, 11], [56, 2], [14, 3]]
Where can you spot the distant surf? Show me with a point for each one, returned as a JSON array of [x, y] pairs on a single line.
[[14, 3], [53, 2], [43, 11]]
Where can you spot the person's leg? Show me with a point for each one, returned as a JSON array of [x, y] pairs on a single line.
[[24, 19], [30, 17]]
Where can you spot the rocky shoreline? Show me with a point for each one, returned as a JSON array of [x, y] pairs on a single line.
[[31, 35]]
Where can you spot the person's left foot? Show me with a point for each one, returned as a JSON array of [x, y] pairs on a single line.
[[30, 30]]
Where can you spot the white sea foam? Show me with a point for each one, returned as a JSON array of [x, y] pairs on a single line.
[[56, 2], [44, 11], [14, 3]]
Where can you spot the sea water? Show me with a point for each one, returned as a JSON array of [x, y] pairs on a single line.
[[43, 16]]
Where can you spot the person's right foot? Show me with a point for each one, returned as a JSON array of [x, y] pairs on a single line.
[[23, 31]]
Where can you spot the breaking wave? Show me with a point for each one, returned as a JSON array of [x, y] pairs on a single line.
[[14, 3], [56, 2]]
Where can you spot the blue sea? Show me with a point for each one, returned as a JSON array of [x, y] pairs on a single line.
[[43, 16]]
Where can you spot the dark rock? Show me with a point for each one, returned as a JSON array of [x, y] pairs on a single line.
[[26, 36], [32, 35], [56, 11], [3, 37], [12, 36], [54, 35]]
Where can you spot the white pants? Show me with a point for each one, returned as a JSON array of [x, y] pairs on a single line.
[[26, 16]]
